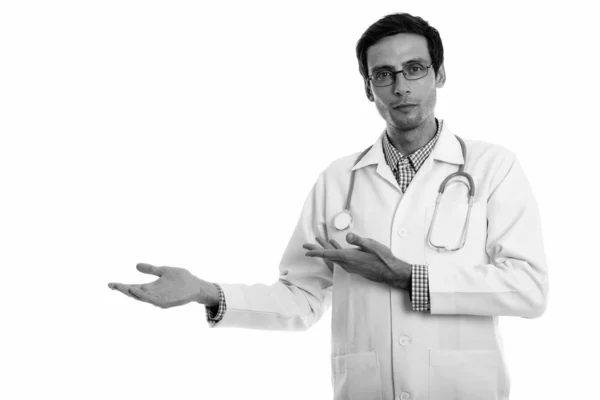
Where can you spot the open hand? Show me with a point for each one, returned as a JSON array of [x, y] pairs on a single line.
[[174, 287], [371, 259]]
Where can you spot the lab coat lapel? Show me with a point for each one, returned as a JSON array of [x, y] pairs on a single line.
[[447, 149], [375, 156], [444, 157]]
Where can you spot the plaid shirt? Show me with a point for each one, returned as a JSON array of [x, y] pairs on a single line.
[[404, 169]]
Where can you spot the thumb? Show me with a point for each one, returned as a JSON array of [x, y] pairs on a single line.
[[353, 238], [149, 269]]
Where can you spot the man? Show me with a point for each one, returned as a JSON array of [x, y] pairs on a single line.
[[417, 289]]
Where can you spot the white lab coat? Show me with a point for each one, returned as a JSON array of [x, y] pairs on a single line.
[[381, 348]]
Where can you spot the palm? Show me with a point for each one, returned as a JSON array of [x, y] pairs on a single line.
[[174, 287]]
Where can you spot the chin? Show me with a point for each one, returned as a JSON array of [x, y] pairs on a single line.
[[406, 124]]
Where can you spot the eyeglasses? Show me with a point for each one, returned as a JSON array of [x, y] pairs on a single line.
[[411, 72]]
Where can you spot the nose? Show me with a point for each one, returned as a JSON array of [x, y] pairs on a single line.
[[401, 85]]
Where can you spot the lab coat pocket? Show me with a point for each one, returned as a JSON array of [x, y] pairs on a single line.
[[466, 375], [356, 377]]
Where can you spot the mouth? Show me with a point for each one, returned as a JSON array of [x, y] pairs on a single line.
[[404, 107]]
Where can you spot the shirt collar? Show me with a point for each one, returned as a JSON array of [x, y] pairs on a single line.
[[416, 158], [446, 149]]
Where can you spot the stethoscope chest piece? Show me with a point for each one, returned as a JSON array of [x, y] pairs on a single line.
[[342, 221]]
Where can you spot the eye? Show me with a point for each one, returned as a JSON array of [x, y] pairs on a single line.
[[415, 68], [382, 75]]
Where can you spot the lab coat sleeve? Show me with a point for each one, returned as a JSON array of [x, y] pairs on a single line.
[[515, 282], [301, 295]]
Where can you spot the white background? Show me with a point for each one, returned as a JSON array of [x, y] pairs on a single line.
[[188, 133]]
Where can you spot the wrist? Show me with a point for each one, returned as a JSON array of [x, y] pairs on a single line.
[[404, 281], [215, 297], [208, 294]]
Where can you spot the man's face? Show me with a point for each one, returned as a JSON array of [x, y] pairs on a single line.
[[393, 53]]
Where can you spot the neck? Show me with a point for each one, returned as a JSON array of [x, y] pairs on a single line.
[[410, 140]]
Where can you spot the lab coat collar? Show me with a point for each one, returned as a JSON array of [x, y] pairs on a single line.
[[447, 149]]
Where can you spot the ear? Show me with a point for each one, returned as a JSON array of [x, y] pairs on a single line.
[[440, 78], [368, 91]]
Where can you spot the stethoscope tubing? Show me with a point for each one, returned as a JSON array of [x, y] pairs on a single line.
[[344, 219]]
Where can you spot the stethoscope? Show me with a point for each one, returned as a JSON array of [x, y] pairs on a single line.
[[343, 220]]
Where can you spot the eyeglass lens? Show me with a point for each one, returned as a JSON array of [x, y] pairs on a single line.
[[388, 77]]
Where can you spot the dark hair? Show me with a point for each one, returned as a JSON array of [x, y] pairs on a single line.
[[399, 23]]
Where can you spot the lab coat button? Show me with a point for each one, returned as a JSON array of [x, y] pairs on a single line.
[[404, 340], [404, 396], [401, 232]]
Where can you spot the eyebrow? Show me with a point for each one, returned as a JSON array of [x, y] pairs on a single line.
[[412, 60]]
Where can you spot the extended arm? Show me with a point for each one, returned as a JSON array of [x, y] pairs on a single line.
[[296, 301], [300, 296]]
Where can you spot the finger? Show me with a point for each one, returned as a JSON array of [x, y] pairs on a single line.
[[354, 239], [324, 243], [123, 288], [370, 245], [145, 296], [317, 252], [130, 293], [310, 246], [329, 254], [149, 269], [329, 265], [335, 244]]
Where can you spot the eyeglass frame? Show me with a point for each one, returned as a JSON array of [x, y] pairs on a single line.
[[395, 73]]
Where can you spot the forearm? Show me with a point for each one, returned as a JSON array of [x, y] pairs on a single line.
[[280, 306], [510, 288]]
